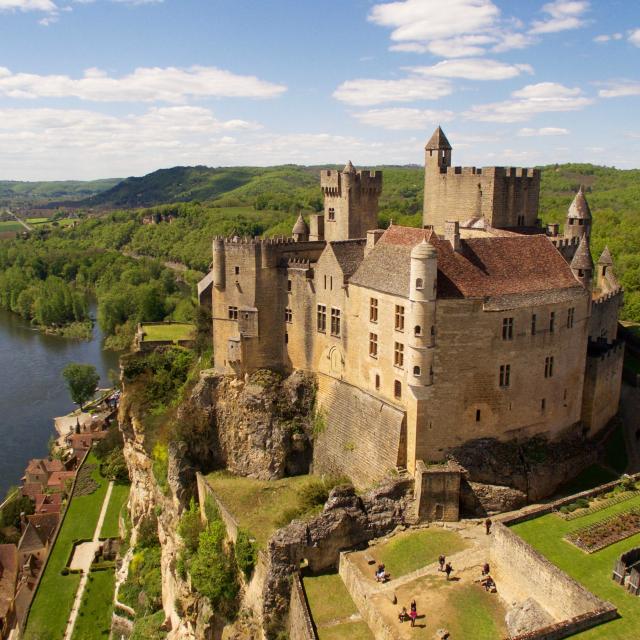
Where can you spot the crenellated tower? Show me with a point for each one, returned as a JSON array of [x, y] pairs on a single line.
[[422, 298], [350, 204]]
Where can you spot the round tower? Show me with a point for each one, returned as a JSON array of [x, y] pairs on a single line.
[[300, 230], [218, 264], [422, 315], [582, 264], [578, 222]]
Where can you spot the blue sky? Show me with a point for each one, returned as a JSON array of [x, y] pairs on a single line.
[[101, 88]]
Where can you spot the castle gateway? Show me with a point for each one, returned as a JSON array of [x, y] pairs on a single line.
[[479, 325]]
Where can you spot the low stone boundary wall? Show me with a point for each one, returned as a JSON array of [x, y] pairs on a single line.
[[575, 607], [361, 593], [300, 621], [204, 491]]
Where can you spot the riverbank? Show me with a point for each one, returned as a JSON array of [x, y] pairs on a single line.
[[32, 390]]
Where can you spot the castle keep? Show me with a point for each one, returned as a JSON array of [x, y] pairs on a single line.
[[480, 324]]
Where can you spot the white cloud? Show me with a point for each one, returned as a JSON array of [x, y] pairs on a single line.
[[400, 118], [543, 131], [620, 89], [474, 69], [511, 40], [423, 20], [529, 101], [605, 37], [564, 15], [168, 84], [27, 5], [367, 92], [634, 37]]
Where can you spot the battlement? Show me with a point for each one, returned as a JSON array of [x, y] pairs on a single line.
[[255, 241], [332, 181], [561, 242], [494, 172], [605, 297], [598, 350], [298, 263]]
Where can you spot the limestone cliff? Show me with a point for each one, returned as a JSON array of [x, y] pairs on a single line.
[[259, 427]]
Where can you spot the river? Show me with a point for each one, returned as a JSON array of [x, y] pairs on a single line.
[[33, 392]]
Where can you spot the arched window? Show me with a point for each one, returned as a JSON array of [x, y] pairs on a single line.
[[419, 283], [416, 370], [397, 389], [418, 330]]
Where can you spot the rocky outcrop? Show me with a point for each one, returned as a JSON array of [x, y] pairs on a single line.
[[347, 521], [148, 502], [526, 617], [477, 499], [534, 468], [259, 427]]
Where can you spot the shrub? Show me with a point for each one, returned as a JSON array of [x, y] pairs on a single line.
[[148, 533], [190, 527], [246, 552], [160, 466]]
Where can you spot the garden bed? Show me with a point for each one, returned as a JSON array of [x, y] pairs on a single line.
[[595, 505], [606, 532]]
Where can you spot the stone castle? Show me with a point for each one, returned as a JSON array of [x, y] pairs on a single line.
[[481, 325]]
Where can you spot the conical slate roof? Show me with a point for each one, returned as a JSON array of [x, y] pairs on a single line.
[[349, 168], [579, 208], [606, 258], [438, 140], [582, 258], [300, 227]]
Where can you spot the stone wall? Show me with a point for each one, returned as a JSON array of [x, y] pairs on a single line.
[[300, 625], [602, 382], [525, 573], [603, 324], [360, 434], [438, 491]]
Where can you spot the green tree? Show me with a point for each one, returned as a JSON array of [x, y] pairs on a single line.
[[82, 381]]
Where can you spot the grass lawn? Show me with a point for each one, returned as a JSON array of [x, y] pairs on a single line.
[[168, 331], [11, 226], [54, 598], [329, 602], [119, 496], [591, 477], [477, 614], [94, 618], [592, 570], [409, 551], [257, 505]]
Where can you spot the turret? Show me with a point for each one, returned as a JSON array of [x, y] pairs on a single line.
[[423, 276], [437, 152], [582, 264], [578, 217], [218, 264], [300, 230], [605, 277]]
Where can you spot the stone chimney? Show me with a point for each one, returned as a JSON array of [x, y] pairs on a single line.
[[373, 235], [452, 234], [553, 229]]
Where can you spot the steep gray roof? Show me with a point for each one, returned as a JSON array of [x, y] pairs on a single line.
[[582, 258], [349, 168], [349, 254], [438, 140], [579, 208], [300, 226], [606, 258]]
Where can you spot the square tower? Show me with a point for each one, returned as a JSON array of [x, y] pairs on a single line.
[[350, 203]]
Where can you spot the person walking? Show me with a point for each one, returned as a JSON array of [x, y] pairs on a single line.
[[413, 613], [448, 569], [485, 569], [487, 524], [441, 561]]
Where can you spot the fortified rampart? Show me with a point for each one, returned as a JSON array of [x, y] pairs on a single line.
[[503, 196], [603, 323]]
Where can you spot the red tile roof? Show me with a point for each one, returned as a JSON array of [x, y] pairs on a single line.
[[484, 268]]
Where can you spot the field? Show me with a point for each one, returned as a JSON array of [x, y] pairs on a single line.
[[55, 595], [119, 496], [257, 505], [410, 551], [94, 617], [592, 570], [332, 609], [172, 331], [11, 226]]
